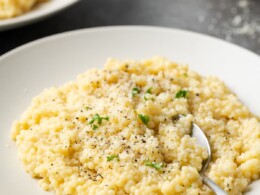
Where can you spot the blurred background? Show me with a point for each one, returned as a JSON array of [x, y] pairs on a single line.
[[236, 21]]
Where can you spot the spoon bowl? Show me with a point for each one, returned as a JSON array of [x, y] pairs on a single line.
[[202, 140]]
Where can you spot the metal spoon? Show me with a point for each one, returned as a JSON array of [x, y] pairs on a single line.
[[203, 141]]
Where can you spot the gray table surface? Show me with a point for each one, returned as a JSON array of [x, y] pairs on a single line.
[[237, 21]]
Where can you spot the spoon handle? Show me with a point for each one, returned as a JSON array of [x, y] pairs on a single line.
[[213, 186]]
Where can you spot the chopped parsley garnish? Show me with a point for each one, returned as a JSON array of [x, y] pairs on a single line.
[[185, 74], [87, 108], [149, 90], [157, 166], [145, 98], [99, 120], [135, 91], [144, 118], [181, 94], [112, 157], [94, 127]]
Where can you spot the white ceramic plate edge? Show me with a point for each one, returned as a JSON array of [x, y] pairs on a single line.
[[121, 28], [124, 27]]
